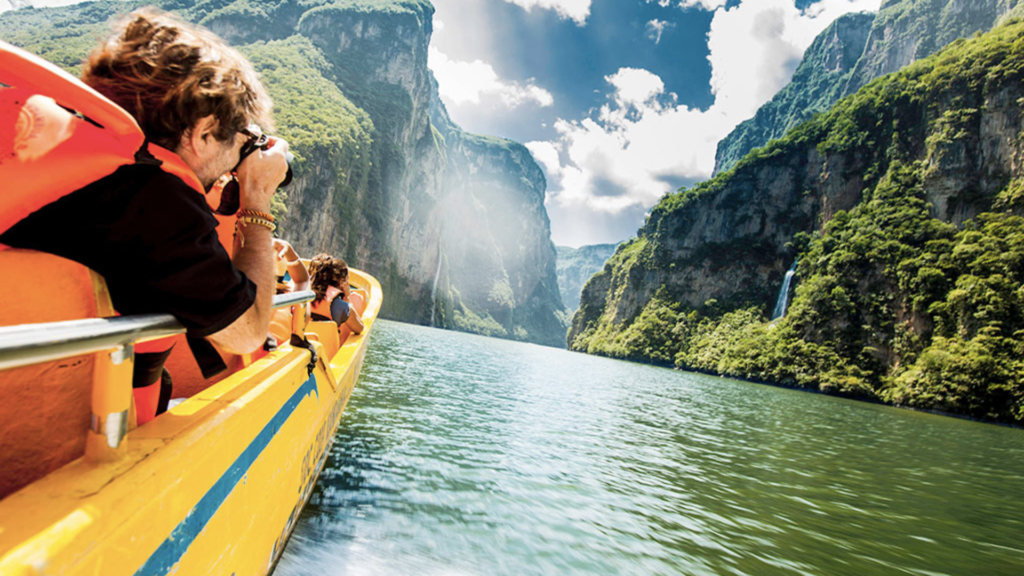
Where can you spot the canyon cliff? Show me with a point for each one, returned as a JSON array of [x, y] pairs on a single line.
[[901, 205], [452, 224], [575, 266]]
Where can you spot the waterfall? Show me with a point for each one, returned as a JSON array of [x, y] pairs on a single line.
[[433, 291], [780, 306]]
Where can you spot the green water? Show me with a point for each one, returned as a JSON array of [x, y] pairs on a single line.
[[462, 455]]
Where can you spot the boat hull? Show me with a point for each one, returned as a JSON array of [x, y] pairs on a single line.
[[214, 486]]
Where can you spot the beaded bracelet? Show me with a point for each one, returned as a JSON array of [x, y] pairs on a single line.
[[250, 220], [256, 214]]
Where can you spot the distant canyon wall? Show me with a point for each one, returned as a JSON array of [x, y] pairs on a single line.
[[853, 51]]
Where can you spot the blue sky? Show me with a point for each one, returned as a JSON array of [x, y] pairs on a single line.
[[620, 101]]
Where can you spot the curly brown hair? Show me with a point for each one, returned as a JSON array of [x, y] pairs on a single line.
[[326, 271], [168, 74]]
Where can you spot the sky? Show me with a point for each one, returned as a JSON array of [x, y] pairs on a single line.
[[620, 101]]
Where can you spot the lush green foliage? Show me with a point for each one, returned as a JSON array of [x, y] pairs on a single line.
[[892, 303], [322, 126], [64, 37]]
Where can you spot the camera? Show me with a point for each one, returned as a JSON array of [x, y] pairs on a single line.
[[230, 198], [262, 142]]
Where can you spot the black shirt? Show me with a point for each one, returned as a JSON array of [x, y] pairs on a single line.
[[154, 240]]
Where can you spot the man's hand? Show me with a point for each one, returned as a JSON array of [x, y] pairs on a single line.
[[260, 174]]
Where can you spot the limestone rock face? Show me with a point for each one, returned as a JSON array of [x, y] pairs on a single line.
[[816, 85], [905, 31], [575, 266], [453, 224]]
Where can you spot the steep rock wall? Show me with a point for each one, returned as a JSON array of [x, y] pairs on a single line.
[[575, 266], [817, 84], [907, 30], [453, 223], [731, 239]]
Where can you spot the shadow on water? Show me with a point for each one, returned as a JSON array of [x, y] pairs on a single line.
[[465, 455]]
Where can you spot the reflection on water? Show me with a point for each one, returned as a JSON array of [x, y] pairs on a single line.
[[461, 455]]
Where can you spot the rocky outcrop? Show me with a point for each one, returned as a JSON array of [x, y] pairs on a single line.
[[854, 50], [906, 30], [465, 239], [452, 223], [817, 84]]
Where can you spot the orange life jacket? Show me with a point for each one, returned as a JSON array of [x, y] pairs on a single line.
[[47, 151], [322, 307]]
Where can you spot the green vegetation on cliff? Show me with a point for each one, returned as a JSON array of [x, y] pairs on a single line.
[[894, 301], [321, 125]]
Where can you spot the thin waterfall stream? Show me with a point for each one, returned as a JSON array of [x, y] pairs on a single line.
[[783, 301], [433, 289]]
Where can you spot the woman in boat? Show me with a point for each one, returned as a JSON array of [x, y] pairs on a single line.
[[334, 298]]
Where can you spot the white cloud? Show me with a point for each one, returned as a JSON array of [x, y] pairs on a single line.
[[577, 10], [705, 4], [655, 28], [635, 87], [756, 46], [462, 83], [642, 144], [547, 154]]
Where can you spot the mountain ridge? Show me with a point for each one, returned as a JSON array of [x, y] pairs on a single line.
[[901, 32]]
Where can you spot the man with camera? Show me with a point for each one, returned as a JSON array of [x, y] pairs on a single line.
[[147, 228]]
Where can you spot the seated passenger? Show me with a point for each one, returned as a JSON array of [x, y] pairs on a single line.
[[147, 228], [329, 279], [288, 262]]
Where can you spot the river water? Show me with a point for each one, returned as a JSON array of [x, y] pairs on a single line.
[[462, 455]]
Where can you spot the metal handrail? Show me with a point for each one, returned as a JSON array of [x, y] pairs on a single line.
[[293, 298], [29, 344]]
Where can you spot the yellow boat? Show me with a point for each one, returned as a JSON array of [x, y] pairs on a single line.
[[213, 486]]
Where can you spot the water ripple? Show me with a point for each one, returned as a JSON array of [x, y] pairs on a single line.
[[461, 455]]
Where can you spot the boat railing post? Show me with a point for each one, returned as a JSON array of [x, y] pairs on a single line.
[[111, 403], [300, 319]]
